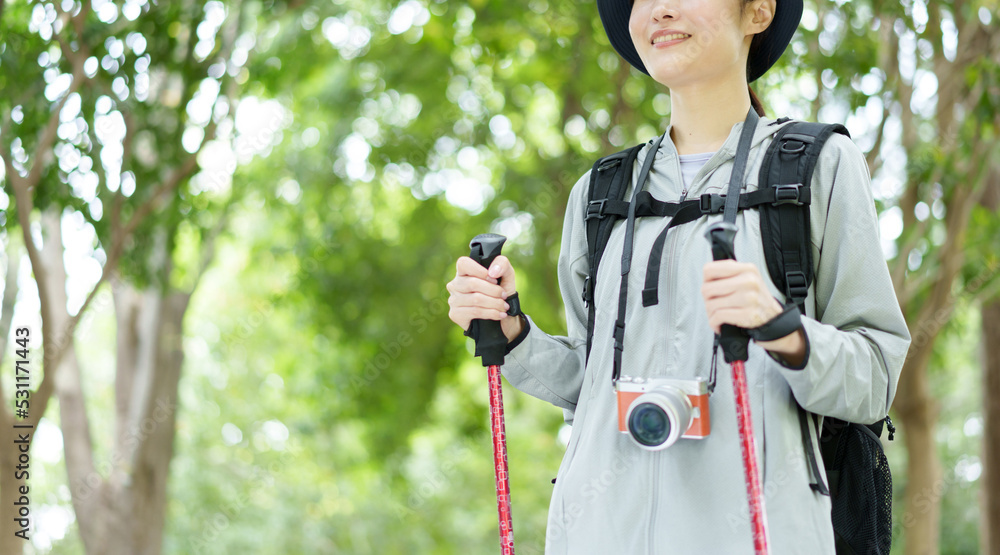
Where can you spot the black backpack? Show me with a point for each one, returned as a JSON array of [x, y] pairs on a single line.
[[860, 484]]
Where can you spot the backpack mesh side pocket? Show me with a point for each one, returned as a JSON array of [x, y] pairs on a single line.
[[860, 491]]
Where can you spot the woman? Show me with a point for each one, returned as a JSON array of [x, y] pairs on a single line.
[[611, 496]]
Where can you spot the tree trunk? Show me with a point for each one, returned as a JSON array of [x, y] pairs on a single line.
[[137, 503], [9, 543], [128, 503], [990, 484], [132, 495], [917, 411], [120, 503], [916, 407]]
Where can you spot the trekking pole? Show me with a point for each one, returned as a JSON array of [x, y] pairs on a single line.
[[490, 345], [734, 343]]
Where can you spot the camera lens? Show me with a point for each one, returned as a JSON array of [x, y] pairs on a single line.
[[658, 417], [649, 424]]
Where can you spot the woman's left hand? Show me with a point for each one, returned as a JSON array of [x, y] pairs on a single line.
[[735, 293]]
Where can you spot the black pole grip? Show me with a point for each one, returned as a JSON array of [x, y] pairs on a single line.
[[486, 247], [722, 235], [488, 335], [734, 340]]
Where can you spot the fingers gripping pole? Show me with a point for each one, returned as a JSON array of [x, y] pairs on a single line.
[[734, 344], [490, 345], [488, 335]]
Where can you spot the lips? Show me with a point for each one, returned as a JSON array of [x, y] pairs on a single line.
[[668, 35]]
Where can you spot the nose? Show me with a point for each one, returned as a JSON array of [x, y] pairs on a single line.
[[664, 10]]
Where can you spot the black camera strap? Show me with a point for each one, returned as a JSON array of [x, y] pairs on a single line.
[[683, 216], [619, 332], [736, 180]]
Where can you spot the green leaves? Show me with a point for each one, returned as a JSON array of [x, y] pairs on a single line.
[[394, 132]]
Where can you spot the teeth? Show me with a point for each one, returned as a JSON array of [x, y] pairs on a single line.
[[665, 38]]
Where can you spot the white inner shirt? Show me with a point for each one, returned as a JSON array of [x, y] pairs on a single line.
[[690, 164]]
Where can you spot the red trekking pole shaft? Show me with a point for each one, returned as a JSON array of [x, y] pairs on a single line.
[[500, 462], [734, 343], [490, 345], [748, 446]]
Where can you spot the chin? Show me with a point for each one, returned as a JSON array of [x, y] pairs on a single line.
[[676, 75], [670, 70], [672, 77]]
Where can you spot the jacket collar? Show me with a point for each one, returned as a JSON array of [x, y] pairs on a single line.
[[766, 127]]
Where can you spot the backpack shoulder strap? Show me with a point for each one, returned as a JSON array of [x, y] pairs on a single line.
[[808, 421], [785, 232], [784, 224], [608, 181]]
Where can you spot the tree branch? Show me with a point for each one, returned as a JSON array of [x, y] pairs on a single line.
[[23, 199], [50, 258], [48, 137], [7, 317], [170, 183], [65, 376], [166, 186], [964, 199], [907, 203], [55, 350], [23, 187], [814, 106], [873, 156], [9, 298], [127, 309]]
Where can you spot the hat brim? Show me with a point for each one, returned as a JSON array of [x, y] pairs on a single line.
[[615, 15]]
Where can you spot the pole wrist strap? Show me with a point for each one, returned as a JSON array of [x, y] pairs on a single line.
[[515, 305], [789, 321]]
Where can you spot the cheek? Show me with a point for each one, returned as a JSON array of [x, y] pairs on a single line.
[[633, 28], [636, 18], [716, 30]]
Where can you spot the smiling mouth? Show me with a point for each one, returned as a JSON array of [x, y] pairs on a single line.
[[667, 38]]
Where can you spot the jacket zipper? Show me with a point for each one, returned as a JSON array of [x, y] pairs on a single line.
[[671, 242], [656, 499], [671, 247]]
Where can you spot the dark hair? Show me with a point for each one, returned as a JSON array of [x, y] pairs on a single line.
[[755, 102]]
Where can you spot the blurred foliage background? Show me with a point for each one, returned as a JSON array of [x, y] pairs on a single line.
[[297, 179]]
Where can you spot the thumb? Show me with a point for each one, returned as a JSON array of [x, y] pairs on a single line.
[[504, 272]]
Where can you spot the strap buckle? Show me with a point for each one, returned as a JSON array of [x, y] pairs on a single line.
[[712, 204], [795, 283], [788, 147], [619, 336], [586, 291], [597, 212], [607, 164], [787, 194]]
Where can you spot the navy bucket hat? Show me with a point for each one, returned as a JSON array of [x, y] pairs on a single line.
[[787, 14]]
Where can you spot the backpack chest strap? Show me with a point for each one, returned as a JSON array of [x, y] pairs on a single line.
[[709, 203], [689, 211]]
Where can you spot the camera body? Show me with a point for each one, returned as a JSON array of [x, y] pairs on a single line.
[[656, 412]]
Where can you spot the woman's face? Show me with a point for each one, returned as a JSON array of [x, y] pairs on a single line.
[[682, 42]]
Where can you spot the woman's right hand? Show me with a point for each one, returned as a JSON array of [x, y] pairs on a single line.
[[476, 294]]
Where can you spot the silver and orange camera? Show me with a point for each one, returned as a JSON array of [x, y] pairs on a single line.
[[656, 412]]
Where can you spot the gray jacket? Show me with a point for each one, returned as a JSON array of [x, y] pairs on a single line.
[[612, 497]]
